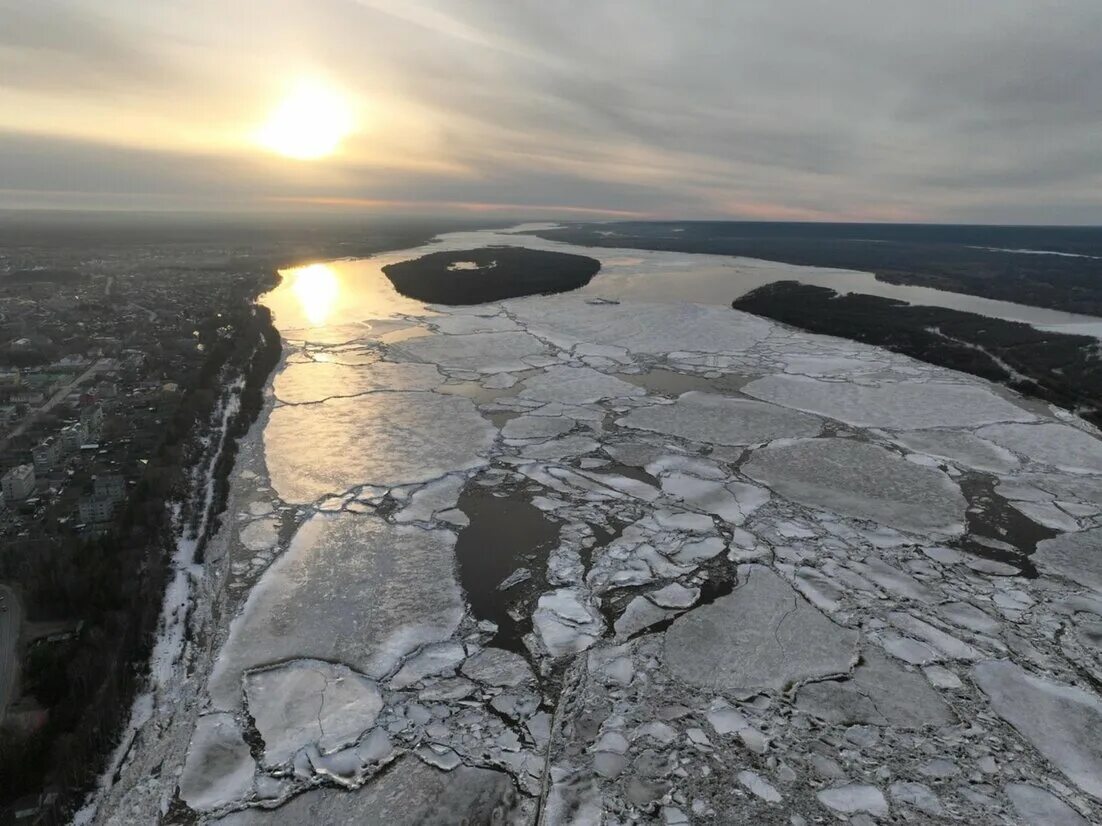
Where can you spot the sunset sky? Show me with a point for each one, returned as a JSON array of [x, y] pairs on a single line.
[[915, 110]]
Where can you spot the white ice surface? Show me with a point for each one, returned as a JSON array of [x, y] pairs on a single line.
[[349, 589], [716, 419], [219, 768], [898, 406], [381, 439], [1058, 445], [862, 481], [309, 702], [313, 382]]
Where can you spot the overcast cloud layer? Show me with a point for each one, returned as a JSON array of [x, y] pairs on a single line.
[[930, 110]]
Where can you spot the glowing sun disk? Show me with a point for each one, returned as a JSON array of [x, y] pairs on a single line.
[[309, 124], [317, 288]]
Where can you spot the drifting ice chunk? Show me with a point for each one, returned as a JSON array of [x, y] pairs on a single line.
[[961, 449], [645, 328], [1050, 444], [918, 795], [565, 623], [880, 693], [856, 798], [350, 589], [260, 534], [497, 667], [762, 637], [314, 381], [1074, 556], [897, 406], [640, 613], [732, 503], [381, 439], [412, 793], [437, 658], [219, 768], [1060, 721], [758, 785], [479, 352], [715, 419], [440, 495], [675, 595], [536, 427], [1038, 807], [577, 385], [863, 481], [310, 702]]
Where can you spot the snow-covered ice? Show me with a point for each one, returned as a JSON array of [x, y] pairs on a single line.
[[864, 481], [792, 579]]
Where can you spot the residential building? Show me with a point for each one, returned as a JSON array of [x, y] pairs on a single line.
[[91, 419], [46, 456], [111, 487], [95, 509], [18, 483], [72, 437]]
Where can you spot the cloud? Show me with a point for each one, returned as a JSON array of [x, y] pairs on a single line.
[[893, 110]]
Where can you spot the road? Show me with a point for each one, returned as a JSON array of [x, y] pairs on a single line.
[[53, 401], [10, 621]]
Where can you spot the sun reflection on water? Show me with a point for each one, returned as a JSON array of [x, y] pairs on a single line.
[[317, 289]]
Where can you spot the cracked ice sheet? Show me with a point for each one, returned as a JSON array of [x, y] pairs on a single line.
[[385, 438], [715, 419], [863, 481], [350, 589], [410, 794], [1061, 721], [219, 768], [640, 327], [478, 352], [313, 382], [762, 637], [960, 449], [1058, 445], [309, 702], [577, 385], [897, 406]]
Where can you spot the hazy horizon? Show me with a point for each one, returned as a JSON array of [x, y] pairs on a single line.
[[898, 112]]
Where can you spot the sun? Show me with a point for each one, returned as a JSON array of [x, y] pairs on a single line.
[[317, 288], [309, 123]]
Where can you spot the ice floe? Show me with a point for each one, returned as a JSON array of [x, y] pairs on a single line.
[[740, 574], [863, 481]]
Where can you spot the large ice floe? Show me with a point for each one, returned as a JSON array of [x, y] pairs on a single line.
[[564, 560]]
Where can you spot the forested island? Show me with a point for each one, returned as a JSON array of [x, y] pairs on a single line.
[[489, 274]]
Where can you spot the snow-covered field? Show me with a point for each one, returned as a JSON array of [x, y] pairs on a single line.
[[859, 587]]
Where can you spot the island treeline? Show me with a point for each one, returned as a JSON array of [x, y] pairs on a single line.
[[1063, 369], [489, 274]]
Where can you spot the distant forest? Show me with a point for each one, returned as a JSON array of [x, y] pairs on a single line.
[[963, 259]]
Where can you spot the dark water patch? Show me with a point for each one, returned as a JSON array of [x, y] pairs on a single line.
[[630, 471], [720, 581], [602, 536], [991, 516], [664, 382], [505, 533], [489, 274]]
